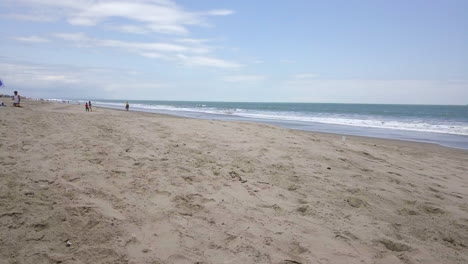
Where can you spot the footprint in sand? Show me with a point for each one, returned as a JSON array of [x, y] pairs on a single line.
[[95, 161], [356, 202], [8, 163], [406, 211], [429, 209], [456, 195], [452, 242], [288, 261], [304, 210], [189, 204], [394, 246]]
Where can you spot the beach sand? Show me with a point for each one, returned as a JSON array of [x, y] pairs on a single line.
[[125, 187]]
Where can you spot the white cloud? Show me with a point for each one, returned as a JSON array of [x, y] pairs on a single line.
[[132, 16], [162, 16], [192, 40], [52, 81], [142, 46], [129, 29], [244, 78], [36, 74], [152, 55], [29, 17], [31, 39], [81, 39], [77, 37], [188, 54], [207, 61], [57, 78], [220, 12]]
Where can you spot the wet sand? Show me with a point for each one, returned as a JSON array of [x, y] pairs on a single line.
[[125, 187]]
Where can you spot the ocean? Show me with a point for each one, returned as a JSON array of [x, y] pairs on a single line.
[[439, 124]]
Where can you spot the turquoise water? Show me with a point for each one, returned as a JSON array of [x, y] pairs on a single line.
[[445, 125]]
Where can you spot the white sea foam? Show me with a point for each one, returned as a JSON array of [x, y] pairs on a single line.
[[414, 125], [325, 118]]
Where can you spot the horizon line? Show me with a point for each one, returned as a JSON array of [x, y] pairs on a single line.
[[275, 102]]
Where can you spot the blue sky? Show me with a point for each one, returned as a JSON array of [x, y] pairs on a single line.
[[349, 51]]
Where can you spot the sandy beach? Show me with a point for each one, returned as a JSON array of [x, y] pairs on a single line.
[[113, 186]]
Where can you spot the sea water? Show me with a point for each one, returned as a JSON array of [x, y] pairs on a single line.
[[441, 124]]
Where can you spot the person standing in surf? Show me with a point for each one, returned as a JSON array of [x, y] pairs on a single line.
[[127, 106]]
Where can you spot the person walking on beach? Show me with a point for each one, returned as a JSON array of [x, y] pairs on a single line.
[[127, 106], [87, 107], [16, 99], [90, 108]]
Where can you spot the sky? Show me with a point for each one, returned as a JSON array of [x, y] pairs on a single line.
[[348, 51]]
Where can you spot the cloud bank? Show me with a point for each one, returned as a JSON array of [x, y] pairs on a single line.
[[161, 16]]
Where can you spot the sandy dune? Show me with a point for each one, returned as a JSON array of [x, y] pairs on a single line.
[[125, 187]]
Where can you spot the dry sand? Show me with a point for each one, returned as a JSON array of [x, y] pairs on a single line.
[[125, 187]]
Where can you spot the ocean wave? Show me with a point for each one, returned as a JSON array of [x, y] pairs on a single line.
[[415, 125], [421, 125]]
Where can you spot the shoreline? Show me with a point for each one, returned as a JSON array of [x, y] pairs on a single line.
[[278, 124], [130, 187]]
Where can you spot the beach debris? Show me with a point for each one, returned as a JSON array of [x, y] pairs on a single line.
[[234, 175], [68, 243], [328, 168]]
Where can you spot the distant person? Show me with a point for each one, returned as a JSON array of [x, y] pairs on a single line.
[[2, 104], [86, 107], [90, 108], [16, 99], [127, 106]]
